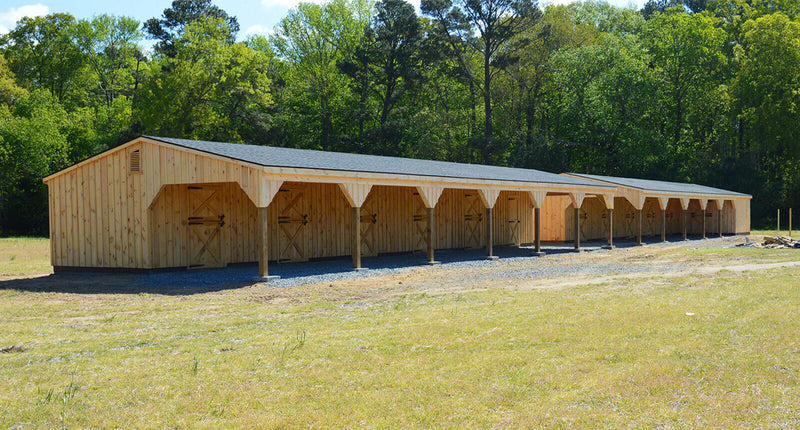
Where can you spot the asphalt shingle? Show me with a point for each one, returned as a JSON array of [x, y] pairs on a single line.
[[324, 160], [662, 186]]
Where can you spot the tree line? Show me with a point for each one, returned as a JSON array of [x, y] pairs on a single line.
[[704, 91]]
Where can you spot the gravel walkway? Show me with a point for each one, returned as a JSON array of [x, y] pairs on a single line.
[[514, 262]]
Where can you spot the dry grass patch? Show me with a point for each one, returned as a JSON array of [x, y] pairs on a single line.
[[24, 255], [694, 351]]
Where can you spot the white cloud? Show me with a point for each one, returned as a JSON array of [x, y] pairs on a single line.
[[8, 19], [288, 4], [257, 29]]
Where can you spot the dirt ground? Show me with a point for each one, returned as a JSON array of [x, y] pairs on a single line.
[[556, 271]]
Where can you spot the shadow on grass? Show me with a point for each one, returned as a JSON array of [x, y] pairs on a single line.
[[188, 282]]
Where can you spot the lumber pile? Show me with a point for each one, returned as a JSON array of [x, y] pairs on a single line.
[[777, 242]]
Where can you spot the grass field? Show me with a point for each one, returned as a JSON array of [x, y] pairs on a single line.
[[696, 350], [783, 232], [23, 255]]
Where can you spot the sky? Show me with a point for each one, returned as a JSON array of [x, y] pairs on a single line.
[[255, 16]]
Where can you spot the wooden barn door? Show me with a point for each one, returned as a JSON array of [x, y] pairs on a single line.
[[420, 220], [473, 219], [369, 221], [204, 226], [292, 220], [514, 223], [585, 222]]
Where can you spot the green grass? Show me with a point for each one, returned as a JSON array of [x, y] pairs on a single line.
[[784, 232], [697, 351], [24, 255]]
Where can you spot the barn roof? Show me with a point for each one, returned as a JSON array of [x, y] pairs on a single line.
[[648, 185], [271, 156]]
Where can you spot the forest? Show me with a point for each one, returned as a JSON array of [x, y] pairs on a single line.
[[704, 91]]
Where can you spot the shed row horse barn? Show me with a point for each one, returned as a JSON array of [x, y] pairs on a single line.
[[157, 203]]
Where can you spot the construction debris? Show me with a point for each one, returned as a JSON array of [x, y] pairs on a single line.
[[777, 242]]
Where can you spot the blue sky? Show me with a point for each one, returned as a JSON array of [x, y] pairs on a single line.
[[255, 16]]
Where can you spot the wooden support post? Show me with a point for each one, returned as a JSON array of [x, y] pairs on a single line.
[[704, 223], [790, 222], [720, 205], [430, 232], [684, 223], [779, 221], [537, 232], [489, 251], [663, 225], [638, 226], [263, 243], [357, 237], [610, 229], [537, 198], [577, 228]]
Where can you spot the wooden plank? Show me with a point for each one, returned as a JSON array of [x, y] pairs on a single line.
[[81, 207], [72, 227], [90, 188]]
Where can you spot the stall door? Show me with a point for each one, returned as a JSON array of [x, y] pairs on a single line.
[[369, 222], [473, 219], [514, 222], [292, 222], [204, 226], [420, 220]]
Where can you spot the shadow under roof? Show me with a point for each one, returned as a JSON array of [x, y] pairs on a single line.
[[272, 156], [662, 186]]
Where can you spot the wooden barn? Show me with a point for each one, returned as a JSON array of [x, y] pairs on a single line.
[[658, 208], [162, 203]]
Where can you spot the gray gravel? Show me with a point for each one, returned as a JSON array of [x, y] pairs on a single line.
[[331, 270]]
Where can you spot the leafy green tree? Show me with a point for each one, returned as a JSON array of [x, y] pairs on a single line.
[[111, 46], [768, 83], [387, 66], [179, 16], [213, 90], [527, 96], [686, 50], [607, 109], [42, 53], [489, 28], [33, 144], [766, 90], [311, 39], [10, 92]]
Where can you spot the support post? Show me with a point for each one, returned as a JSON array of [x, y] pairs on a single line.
[[537, 232], [537, 198], [489, 251], [684, 223], [779, 222], [357, 237], [610, 229], [720, 205], [608, 201], [263, 243], [663, 225], [638, 226], [790, 222], [577, 228], [431, 235], [704, 222], [263, 246]]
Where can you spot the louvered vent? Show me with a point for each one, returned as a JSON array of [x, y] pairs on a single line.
[[136, 162]]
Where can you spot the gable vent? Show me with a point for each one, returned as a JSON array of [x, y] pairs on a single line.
[[135, 162]]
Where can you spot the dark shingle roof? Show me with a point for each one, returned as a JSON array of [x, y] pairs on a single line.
[[662, 186], [309, 159]]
